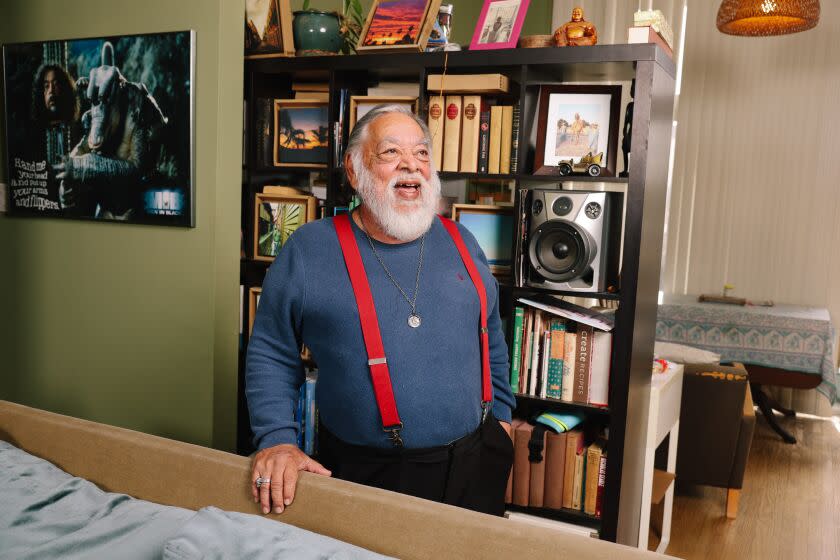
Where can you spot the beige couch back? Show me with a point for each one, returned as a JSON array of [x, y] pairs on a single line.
[[180, 474]]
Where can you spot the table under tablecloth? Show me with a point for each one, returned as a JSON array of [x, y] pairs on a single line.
[[788, 337]]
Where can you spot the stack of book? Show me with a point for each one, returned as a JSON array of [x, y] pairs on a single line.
[[569, 475], [561, 353], [650, 26], [472, 133]]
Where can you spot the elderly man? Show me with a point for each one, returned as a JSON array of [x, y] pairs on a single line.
[[400, 311]]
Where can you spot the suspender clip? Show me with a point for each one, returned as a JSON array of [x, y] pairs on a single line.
[[485, 410], [394, 434]]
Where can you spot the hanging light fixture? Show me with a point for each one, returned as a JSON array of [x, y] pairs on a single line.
[[767, 17]]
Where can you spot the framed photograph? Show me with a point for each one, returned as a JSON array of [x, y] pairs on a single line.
[[126, 157], [499, 24], [574, 121], [397, 25], [361, 104], [254, 295], [301, 133], [493, 228], [276, 217], [268, 28]]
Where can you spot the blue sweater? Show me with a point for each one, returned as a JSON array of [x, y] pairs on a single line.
[[435, 369]]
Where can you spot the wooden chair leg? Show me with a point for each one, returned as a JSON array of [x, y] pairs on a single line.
[[733, 496]]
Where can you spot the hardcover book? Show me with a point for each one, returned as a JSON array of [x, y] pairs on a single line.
[[506, 141], [555, 468], [436, 129], [470, 129], [574, 446], [583, 357], [452, 133], [493, 158], [555, 360]]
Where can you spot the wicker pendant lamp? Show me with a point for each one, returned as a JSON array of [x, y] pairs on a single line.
[[767, 17]]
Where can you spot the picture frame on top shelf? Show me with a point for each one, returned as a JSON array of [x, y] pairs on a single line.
[[574, 120], [499, 24], [493, 228], [398, 25], [254, 295], [360, 105], [268, 28], [301, 133], [276, 218]]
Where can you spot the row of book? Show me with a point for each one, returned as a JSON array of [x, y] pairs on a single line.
[[306, 415], [554, 357], [567, 473], [472, 134]]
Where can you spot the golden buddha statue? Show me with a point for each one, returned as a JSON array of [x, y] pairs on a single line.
[[577, 32]]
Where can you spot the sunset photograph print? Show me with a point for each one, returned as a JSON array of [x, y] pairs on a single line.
[[396, 22], [302, 135]]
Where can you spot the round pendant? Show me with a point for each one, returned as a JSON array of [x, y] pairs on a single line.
[[413, 321]]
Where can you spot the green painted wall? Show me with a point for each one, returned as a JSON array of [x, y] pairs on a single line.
[[131, 325], [464, 16]]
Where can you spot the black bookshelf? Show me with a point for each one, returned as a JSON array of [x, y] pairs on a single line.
[[644, 202]]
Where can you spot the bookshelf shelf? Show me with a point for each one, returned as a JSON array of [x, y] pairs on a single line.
[[643, 195], [563, 514]]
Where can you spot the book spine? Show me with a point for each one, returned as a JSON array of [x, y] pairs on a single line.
[[580, 478], [599, 378], [309, 435], [583, 355], [593, 460], [514, 149], [533, 374], [299, 415], [527, 344], [536, 486], [574, 444], [546, 352], [436, 129], [568, 384], [265, 113], [516, 356], [602, 479], [469, 133], [555, 360], [483, 138], [452, 133], [493, 159], [506, 141], [555, 468], [521, 465]]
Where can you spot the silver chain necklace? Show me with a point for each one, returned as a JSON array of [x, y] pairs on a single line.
[[414, 318]]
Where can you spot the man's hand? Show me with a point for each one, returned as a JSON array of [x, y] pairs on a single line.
[[281, 465]]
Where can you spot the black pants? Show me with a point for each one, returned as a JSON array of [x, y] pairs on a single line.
[[471, 472]]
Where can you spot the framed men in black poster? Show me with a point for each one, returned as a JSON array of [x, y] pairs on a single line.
[[102, 128]]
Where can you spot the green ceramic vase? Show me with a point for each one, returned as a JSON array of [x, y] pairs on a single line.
[[316, 33]]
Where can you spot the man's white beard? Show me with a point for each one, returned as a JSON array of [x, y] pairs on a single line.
[[401, 219]]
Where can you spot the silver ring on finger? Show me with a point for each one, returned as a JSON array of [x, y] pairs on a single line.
[[262, 481]]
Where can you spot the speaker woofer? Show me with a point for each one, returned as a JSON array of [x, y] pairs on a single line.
[[561, 250]]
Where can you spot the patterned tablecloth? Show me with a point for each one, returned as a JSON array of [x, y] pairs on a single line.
[[784, 336]]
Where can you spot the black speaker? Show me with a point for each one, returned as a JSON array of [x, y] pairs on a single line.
[[570, 245]]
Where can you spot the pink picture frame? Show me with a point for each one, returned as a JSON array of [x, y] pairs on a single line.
[[499, 24]]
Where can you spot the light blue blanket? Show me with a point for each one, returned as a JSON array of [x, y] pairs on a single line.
[[47, 513]]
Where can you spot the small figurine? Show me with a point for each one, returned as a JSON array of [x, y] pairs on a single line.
[[577, 32], [627, 132], [589, 164]]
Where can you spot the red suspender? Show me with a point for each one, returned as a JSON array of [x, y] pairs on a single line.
[[381, 378]]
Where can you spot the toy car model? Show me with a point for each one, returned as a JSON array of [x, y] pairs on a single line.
[[589, 164]]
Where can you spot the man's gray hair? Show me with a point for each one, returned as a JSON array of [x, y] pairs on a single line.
[[360, 131]]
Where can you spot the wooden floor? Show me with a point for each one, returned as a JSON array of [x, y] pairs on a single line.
[[790, 504]]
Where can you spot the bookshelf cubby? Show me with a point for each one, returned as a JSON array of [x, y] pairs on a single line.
[[644, 211]]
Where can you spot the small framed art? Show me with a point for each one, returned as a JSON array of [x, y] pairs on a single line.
[[268, 28], [254, 295], [301, 133], [276, 217], [574, 121], [396, 25], [492, 227], [360, 105], [499, 24]]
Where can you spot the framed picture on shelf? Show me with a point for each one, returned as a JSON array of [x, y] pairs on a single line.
[[492, 227], [575, 121], [276, 217], [499, 24], [254, 295], [360, 105], [301, 133], [268, 28], [396, 25]]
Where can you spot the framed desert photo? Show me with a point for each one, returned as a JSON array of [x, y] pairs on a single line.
[[576, 125], [74, 152], [276, 217], [394, 25], [361, 104], [301, 133], [254, 295], [268, 28], [492, 227], [499, 24]]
